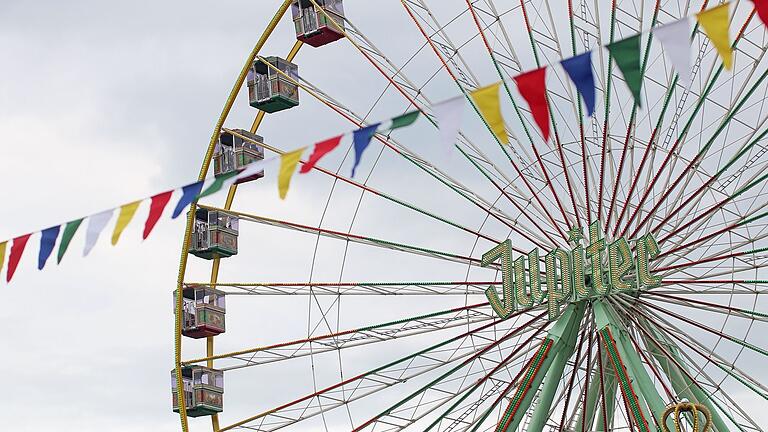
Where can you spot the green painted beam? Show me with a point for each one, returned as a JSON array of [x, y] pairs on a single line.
[[559, 337], [565, 349], [680, 383], [640, 379]]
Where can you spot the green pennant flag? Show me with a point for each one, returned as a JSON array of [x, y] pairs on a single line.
[[218, 183], [69, 232], [404, 120], [626, 54]]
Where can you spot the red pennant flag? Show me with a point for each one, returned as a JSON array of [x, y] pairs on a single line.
[[156, 208], [19, 243], [761, 7], [532, 87], [321, 149]]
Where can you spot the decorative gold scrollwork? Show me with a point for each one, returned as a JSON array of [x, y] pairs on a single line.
[[692, 408]]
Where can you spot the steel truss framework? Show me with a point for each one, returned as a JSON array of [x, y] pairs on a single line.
[[689, 167]]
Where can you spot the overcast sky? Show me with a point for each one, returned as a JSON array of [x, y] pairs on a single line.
[[102, 103]]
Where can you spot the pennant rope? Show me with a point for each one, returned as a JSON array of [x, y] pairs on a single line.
[[675, 40]]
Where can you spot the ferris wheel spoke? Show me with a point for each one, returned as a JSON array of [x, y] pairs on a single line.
[[541, 207], [688, 170], [558, 144], [683, 132], [350, 237], [429, 288], [384, 415], [373, 191], [421, 163], [384, 332], [706, 328], [470, 386], [691, 385], [375, 380], [727, 366], [709, 306], [631, 125]]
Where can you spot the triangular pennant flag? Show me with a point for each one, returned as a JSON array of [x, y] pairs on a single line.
[[123, 219], [156, 207], [188, 194], [321, 149], [675, 38], [288, 162], [404, 120], [2, 253], [761, 6], [219, 182], [487, 101], [96, 224], [626, 54], [533, 88], [66, 238], [448, 115], [362, 137], [715, 23], [579, 70], [17, 249], [252, 169], [47, 242]]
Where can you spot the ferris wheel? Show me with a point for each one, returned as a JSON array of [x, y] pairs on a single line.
[[382, 302]]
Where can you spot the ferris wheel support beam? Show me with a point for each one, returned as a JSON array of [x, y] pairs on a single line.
[[551, 375], [190, 218], [558, 345], [681, 379], [628, 368]]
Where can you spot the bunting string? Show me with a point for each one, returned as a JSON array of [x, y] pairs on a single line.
[[626, 53]]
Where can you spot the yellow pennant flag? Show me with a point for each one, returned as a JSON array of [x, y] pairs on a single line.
[[288, 162], [715, 22], [2, 254], [487, 101], [123, 219]]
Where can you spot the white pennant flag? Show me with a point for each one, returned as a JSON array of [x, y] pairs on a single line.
[[448, 115], [253, 168], [96, 224], [675, 38]]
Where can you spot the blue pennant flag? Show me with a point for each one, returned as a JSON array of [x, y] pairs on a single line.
[[362, 137], [47, 241], [189, 194], [579, 69]]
